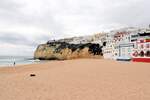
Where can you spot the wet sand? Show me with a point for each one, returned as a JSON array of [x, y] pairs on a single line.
[[82, 79]]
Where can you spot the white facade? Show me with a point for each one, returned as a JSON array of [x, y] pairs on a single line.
[[119, 46], [123, 44], [109, 49]]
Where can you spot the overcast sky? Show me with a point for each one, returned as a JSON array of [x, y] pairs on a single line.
[[26, 23]]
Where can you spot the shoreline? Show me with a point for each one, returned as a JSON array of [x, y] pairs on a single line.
[[44, 61], [47, 62]]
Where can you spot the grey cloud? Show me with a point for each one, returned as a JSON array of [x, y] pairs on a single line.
[[92, 11], [131, 13], [18, 39], [12, 38], [8, 5]]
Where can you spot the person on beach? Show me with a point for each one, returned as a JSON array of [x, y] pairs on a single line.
[[14, 63]]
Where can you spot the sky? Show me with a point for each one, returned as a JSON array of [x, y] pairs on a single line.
[[26, 23]]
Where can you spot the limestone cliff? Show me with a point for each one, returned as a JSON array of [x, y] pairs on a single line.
[[61, 50]]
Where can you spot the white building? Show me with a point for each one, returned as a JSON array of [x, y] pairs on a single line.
[[119, 46], [141, 52], [128, 45], [108, 50]]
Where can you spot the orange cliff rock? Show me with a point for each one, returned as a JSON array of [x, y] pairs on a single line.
[[63, 51]]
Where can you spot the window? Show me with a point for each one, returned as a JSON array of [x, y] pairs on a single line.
[[141, 54], [142, 46], [147, 45], [147, 54], [133, 40], [135, 54]]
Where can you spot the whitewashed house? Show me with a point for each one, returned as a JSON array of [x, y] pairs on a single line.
[[108, 50]]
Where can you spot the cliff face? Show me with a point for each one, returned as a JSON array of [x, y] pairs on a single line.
[[62, 50]]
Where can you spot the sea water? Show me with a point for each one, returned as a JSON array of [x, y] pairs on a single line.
[[19, 60]]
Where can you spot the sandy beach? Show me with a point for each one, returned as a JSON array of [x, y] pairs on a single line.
[[82, 79]]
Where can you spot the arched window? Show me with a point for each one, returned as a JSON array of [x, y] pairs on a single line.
[[147, 54], [142, 54], [135, 54]]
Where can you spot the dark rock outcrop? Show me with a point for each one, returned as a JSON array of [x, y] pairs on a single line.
[[62, 50]]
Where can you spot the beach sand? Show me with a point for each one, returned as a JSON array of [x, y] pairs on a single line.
[[81, 79]]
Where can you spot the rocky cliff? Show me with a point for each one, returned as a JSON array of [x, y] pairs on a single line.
[[56, 50]]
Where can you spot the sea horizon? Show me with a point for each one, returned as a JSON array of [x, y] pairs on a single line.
[[8, 61]]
